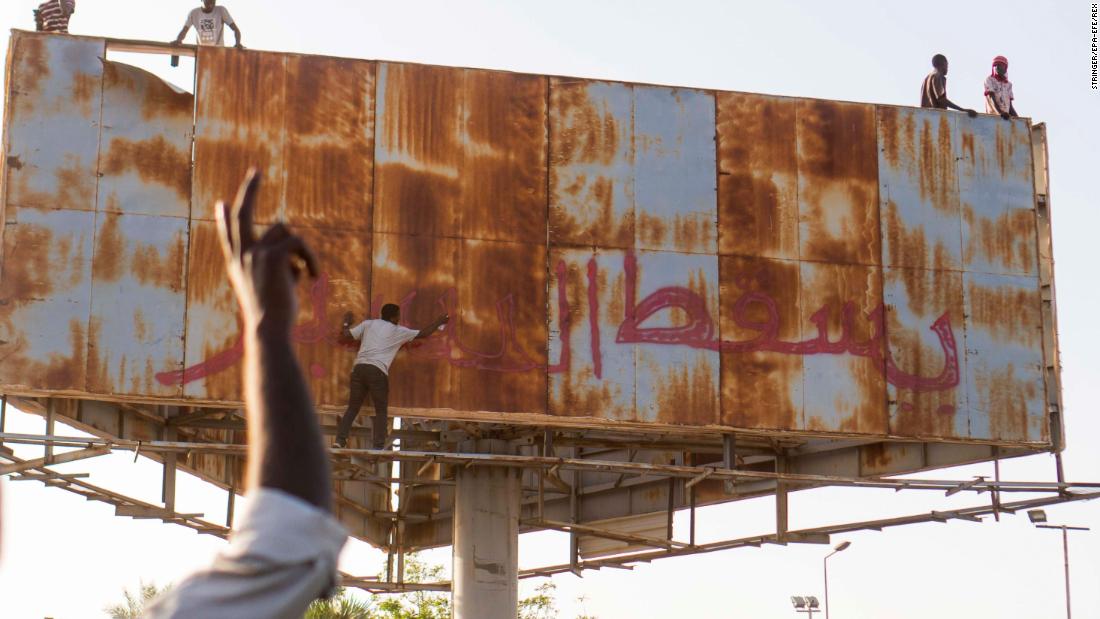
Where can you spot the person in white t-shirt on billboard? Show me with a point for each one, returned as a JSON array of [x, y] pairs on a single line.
[[379, 342], [209, 22]]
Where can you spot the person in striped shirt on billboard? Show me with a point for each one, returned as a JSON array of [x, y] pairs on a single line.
[[53, 15]]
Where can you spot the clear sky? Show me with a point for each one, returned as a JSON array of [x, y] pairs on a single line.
[[66, 558]]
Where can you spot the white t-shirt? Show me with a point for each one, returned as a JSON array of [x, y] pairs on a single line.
[[380, 341], [1001, 92], [210, 26]]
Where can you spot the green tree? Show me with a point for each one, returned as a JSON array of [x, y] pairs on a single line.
[[134, 604], [340, 606], [541, 605]]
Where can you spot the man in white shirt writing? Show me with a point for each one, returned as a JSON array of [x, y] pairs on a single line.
[[379, 342], [209, 23]]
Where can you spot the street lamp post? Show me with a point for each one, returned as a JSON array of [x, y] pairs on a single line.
[[1038, 518], [825, 565], [805, 604]]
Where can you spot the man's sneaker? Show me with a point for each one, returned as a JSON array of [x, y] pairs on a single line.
[[340, 443]]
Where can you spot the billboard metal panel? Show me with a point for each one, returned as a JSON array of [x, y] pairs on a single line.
[[838, 183], [841, 366], [461, 153], [921, 225], [239, 123], [137, 304], [998, 197], [672, 305], [762, 378], [757, 176], [528, 207], [925, 364], [329, 146], [1004, 359], [45, 293], [145, 153], [591, 163], [675, 188], [591, 373], [54, 110]]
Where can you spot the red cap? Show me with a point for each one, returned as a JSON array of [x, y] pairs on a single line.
[[1001, 60]]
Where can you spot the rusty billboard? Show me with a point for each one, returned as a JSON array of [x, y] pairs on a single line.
[[614, 255]]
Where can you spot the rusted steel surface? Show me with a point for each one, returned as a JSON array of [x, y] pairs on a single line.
[[138, 258], [674, 186], [46, 287], [1004, 358], [838, 183], [53, 125], [240, 104], [492, 354], [757, 176], [591, 374], [608, 252], [591, 163], [145, 149], [997, 198], [924, 332], [461, 153], [919, 178]]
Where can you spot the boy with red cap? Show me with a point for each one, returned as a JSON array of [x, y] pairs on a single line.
[[998, 90]]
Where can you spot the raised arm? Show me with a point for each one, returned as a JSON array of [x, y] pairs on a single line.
[[345, 329], [183, 33], [285, 451], [430, 329], [236, 33], [949, 103]]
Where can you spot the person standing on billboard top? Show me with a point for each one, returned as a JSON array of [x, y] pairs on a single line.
[[998, 91], [933, 92], [379, 342], [209, 22], [54, 15]]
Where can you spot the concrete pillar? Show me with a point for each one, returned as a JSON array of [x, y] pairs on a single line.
[[486, 538]]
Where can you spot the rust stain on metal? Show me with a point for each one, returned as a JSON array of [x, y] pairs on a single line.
[[838, 182], [1007, 240], [330, 142], [488, 124], [155, 160], [1009, 314], [685, 394], [148, 267], [1004, 399], [32, 66], [909, 246], [651, 230], [109, 250], [760, 389], [758, 176], [585, 137], [938, 178], [31, 277]]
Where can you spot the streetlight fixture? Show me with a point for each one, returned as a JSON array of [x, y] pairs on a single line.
[[842, 546], [805, 604], [1038, 517]]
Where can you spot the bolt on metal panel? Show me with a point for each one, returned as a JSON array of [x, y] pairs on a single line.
[[145, 147], [591, 163], [45, 289], [925, 342], [591, 374], [838, 183], [998, 197], [461, 153], [1004, 358], [844, 374], [675, 190], [239, 123], [762, 381], [137, 304], [55, 103], [672, 301], [757, 176], [919, 186]]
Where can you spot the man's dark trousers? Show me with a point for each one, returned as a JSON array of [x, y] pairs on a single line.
[[366, 378]]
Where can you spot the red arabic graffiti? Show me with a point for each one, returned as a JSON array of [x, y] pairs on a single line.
[[697, 332]]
